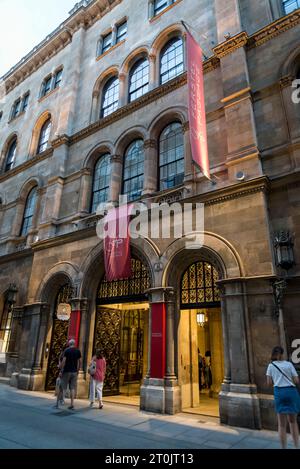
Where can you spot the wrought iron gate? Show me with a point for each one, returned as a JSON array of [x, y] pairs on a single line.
[[59, 337]]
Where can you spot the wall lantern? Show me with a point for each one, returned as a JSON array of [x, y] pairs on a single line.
[[201, 319], [284, 253]]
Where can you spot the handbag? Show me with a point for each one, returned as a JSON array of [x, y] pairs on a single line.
[[92, 368]]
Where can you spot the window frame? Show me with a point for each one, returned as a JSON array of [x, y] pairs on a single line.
[[157, 11], [120, 38], [41, 144], [101, 160], [164, 52], [25, 102], [284, 4], [57, 81], [16, 108], [137, 176], [180, 176], [133, 71], [105, 89], [105, 48], [13, 143], [6, 320], [30, 207], [47, 90]]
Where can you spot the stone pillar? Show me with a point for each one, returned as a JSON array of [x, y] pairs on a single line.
[[239, 403], [79, 309], [34, 332], [116, 178], [114, 35], [123, 89], [154, 79], [292, 115], [95, 113], [86, 183], [51, 208], [151, 9], [151, 167], [17, 223], [160, 392]]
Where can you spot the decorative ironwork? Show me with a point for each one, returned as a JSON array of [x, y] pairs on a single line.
[[59, 336], [107, 339], [198, 286], [124, 290], [132, 342]]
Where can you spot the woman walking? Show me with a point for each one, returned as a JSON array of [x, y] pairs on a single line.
[[98, 370], [284, 377]]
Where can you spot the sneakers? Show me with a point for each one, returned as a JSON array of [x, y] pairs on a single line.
[[100, 406], [71, 407], [91, 404]]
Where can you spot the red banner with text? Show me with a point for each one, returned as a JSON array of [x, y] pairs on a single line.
[[74, 326], [158, 341], [197, 114], [117, 255]]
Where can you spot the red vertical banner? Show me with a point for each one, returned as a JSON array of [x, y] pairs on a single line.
[[197, 113], [158, 341], [117, 255], [74, 326]]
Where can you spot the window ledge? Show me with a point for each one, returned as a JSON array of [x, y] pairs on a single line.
[[110, 50], [154, 18], [13, 119], [48, 94]]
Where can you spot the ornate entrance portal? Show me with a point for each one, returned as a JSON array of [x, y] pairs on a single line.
[[59, 337], [121, 330]]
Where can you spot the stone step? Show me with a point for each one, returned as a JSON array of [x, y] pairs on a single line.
[[4, 380]]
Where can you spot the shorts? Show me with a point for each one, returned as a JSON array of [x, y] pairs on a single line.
[[69, 379]]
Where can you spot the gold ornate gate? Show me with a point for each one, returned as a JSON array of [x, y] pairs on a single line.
[[59, 337]]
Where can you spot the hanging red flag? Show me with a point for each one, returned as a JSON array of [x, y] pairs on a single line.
[[117, 255], [197, 114]]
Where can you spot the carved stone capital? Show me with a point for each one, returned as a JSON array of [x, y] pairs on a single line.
[[231, 44], [151, 143], [116, 159]]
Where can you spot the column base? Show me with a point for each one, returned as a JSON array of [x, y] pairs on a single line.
[[239, 406], [31, 380], [160, 398], [82, 386]]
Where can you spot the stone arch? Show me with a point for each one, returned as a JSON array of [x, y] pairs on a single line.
[[96, 152], [291, 65], [217, 250], [37, 130], [165, 36], [101, 81], [133, 57], [27, 186], [167, 117], [59, 274], [128, 136], [5, 148]]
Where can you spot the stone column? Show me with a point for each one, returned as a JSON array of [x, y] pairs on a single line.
[[86, 183], [151, 167], [227, 363], [114, 35], [123, 89], [51, 208], [14, 346], [160, 392], [95, 112], [154, 79], [239, 403], [291, 115], [34, 331], [17, 223], [80, 306], [116, 178]]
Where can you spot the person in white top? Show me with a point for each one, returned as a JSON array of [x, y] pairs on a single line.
[[284, 378]]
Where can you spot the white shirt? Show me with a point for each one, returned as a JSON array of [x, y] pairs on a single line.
[[278, 378]]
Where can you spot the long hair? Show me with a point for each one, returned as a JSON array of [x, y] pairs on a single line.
[[277, 352]]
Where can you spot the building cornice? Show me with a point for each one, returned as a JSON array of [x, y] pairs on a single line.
[[231, 44], [27, 164], [83, 17]]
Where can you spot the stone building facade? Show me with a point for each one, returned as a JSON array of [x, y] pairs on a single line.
[[99, 108]]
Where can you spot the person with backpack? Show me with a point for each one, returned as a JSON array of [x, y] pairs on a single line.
[[284, 378], [97, 370]]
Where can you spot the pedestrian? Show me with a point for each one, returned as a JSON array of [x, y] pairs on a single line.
[[284, 377], [70, 367], [59, 390], [97, 371], [200, 369]]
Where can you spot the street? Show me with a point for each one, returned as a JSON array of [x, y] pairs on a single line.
[[29, 420]]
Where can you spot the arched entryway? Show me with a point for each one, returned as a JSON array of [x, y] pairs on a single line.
[[201, 355], [59, 333], [121, 331]]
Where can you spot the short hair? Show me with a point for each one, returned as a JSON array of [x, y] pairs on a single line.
[[276, 352], [99, 354], [72, 342]]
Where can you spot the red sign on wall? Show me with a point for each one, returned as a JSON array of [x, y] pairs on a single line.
[[74, 326]]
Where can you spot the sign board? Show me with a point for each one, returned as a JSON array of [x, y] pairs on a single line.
[[63, 312]]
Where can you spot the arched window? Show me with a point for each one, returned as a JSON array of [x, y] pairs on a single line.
[[44, 136], [29, 211], [199, 286], [139, 79], [11, 155], [171, 60], [171, 156], [101, 182], [133, 174], [110, 99]]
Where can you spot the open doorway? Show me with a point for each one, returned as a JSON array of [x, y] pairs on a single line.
[[201, 359]]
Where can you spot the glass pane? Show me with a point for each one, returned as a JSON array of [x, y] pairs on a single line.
[[101, 182], [133, 179], [171, 155], [139, 80], [171, 60], [110, 97]]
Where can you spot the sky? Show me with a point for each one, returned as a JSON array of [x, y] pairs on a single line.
[[25, 23]]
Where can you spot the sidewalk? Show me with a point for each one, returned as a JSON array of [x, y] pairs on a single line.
[[29, 420]]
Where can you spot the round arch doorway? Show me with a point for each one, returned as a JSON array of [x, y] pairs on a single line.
[[121, 332], [201, 356]]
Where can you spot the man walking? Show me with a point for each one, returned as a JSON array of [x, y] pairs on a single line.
[[70, 367]]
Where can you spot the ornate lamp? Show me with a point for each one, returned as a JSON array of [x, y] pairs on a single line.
[[201, 319], [284, 252]]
